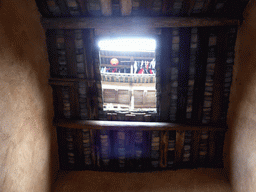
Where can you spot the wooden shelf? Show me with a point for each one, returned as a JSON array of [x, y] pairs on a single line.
[[128, 125]]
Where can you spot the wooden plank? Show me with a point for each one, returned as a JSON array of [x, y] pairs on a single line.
[[106, 32], [132, 23], [179, 149], [106, 7], [183, 76], [219, 75], [69, 38], [124, 125], [52, 52], [199, 86], [126, 7], [163, 148], [195, 147]]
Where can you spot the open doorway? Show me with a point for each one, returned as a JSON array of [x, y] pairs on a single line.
[[128, 74]]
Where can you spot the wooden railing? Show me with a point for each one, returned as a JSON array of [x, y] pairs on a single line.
[[137, 146], [128, 78]]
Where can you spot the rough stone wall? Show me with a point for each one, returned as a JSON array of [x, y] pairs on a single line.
[[28, 147], [240, 145]]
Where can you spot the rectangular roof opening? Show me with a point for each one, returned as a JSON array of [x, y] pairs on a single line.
[[128, 74]]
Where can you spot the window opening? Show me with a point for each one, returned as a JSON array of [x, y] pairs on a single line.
[[128, 74]]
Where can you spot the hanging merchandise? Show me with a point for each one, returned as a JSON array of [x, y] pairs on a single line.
[[114, 70], [146, 67], [141, 71], [152, 64], [135, 66], [114, 61]]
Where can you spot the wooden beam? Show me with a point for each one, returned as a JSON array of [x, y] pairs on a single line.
[[70, 47], [126, 7], [106, 7], [165, 41], [124, 125], [151, 32], [219, 75], [183, 76], [52, 52], [88, 40], [199, 86], [133, 22]]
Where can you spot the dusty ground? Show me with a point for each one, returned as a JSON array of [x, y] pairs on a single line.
[[195, 180]]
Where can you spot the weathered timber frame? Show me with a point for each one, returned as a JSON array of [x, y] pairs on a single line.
[[200, 138]]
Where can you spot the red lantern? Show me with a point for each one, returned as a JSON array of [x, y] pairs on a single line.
[[114, 61]]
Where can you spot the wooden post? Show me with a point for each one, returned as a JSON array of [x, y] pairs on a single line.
[[180, 136], [163, 149], [195, 147]]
